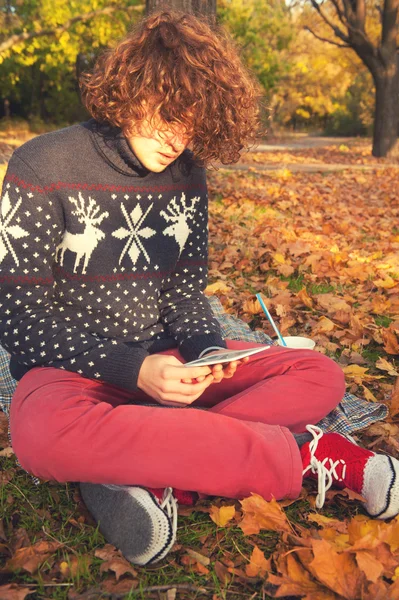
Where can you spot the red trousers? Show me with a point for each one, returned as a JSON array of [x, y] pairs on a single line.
[[68, 428]]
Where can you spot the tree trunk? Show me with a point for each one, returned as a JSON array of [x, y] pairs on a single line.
[[206, 8], [386, 112]]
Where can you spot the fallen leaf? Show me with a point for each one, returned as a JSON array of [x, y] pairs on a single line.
[[204, 560], [76, 565], [295, 580], [222, 515], [114, 561], [337, 571], [258, 565], [7, 452], [394, 401], [371, 567], [30, 558], [217, 287], [259, 514], [110, 585], [222, 573], [384, 365], [13, 591], [355, 371], [324, 521], [368, 394], [325, 325], [391, 345]]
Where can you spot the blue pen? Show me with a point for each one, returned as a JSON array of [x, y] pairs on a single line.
[[280, 337]]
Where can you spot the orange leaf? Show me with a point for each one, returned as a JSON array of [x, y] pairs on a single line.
[[394, 403], [324, 325], [391, 345], [371, 567], [296, 581], [305, 298], [259, 514], [259, 565], [337, 571], [332, 303], [31, 557]]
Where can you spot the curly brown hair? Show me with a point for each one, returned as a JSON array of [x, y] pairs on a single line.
[[185, 72]]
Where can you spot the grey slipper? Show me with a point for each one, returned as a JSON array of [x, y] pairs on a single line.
[[133, 519]]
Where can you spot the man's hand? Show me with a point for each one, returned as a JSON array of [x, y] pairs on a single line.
[[165, 379], [226, 370]]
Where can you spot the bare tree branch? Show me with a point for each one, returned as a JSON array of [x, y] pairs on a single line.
[[343, 18], [326, 40], [338, 32], [24, 37]]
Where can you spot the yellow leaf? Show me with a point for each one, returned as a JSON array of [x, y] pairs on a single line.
[[369, 395], [221, 516], [384, 365], [64, 568], [218, 286], [279, 258], [355, 371], [387, 283]]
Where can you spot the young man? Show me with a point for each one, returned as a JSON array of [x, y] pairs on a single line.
[[103, 259]]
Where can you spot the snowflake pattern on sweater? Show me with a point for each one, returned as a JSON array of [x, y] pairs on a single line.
[[95, 276]]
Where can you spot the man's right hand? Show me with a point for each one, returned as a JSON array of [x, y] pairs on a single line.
[[167, 381]]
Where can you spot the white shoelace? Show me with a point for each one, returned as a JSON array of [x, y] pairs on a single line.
[[325, 475], [169, 504]]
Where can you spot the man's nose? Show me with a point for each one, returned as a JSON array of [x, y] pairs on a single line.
[[177, 141]]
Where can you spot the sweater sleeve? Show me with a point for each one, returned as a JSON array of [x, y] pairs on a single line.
[[31, 328], [184, 308]]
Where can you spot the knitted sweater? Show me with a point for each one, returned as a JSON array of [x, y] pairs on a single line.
[[102, 262]]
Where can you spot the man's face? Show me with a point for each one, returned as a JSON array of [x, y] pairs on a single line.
[[155, 146]]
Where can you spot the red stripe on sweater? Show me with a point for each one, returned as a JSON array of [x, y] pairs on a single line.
[[98, 187]]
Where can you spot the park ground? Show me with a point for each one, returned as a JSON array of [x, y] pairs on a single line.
[[312, 224]]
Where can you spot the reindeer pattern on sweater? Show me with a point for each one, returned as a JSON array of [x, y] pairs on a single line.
[[95, 276]]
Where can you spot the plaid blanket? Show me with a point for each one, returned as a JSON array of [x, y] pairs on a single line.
[[352, 413]]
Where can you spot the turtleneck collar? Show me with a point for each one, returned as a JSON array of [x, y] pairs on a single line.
[[114, 148]]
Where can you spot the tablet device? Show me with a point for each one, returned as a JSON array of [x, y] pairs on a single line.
[[224, 356]]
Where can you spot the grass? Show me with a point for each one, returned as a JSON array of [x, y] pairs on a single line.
[[383, 321], [54, 511]]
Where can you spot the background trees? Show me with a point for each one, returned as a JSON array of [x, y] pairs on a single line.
[[203, 7], [370, 28], [307, 83]]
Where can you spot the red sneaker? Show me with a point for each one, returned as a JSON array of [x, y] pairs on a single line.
[[181, 496], [332, 459]]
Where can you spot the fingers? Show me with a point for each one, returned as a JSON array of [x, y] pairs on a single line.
[[183, 392], [190, 372], [190, 393]]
